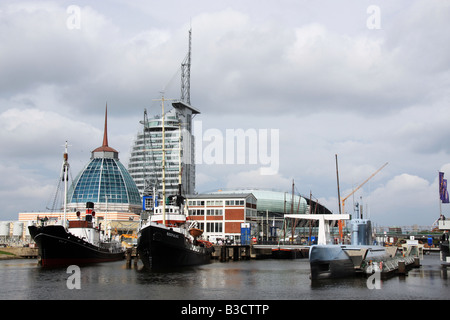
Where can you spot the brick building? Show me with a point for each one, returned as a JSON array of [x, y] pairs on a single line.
[[221, 215]]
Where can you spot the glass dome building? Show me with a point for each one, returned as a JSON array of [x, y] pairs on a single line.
[[106, 182]]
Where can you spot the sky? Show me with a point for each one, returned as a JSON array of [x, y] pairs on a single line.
[[368, 81]]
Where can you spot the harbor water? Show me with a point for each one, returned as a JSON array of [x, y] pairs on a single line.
[[261, 280]]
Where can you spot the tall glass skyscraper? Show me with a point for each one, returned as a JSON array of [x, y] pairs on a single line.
[[146, 160]]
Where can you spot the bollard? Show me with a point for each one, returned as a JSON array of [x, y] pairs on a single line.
[[223, 254], [128, 257], [401, 267], [235, 253]]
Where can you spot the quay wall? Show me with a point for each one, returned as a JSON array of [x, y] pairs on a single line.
[[19, 252]]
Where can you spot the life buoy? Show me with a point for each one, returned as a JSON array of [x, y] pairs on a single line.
[[207, 244]]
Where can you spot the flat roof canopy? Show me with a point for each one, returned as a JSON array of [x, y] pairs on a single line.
[[181, 104]]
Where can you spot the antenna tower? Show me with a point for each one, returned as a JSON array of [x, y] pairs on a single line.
[[186, 74]]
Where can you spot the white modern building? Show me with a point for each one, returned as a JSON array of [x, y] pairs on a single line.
[[146, 160]]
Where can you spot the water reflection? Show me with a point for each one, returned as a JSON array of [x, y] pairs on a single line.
[[243, 280]]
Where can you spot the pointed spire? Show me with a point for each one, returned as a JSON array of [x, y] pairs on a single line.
[[105, 133], [105, 147]]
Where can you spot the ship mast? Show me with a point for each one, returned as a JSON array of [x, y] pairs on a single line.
[[163, 164], [65, 179], [180, 168], [163, 160], [340, 226]]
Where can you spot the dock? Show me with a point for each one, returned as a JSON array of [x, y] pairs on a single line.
[[292, 251], [18, 253], [395, 266], [131, 257], [226, 253]]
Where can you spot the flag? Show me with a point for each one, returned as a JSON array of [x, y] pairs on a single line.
[[445, 198], [443, 192]]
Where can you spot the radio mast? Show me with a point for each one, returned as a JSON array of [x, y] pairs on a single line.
[[186, 74]]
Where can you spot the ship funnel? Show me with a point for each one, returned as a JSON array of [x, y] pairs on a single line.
[[89, 211]]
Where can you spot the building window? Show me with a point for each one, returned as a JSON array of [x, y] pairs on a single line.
[[214, 202], [214, 212], [196, 212], [250, 213], [234, 202], [196, 202], [214, 227]]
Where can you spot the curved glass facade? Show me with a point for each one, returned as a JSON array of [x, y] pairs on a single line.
[[275, 201], [104, 180], [145, 163]]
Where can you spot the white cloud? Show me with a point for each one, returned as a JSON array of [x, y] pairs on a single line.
[[405, 200], [25, 188], [203, 179], [32, 135], [254, 178]]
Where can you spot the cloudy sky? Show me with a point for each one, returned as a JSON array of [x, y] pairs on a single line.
[[366, 80]]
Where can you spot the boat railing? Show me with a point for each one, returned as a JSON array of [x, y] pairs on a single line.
[[42, 222], [112, 247]]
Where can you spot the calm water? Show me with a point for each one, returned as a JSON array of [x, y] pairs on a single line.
[[244, 280]]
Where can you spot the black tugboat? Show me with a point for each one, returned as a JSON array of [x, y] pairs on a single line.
[[165, 240], [78, 242], [170, 244]]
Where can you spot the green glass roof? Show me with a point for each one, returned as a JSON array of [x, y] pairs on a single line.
[[274, 201], [104, 180]]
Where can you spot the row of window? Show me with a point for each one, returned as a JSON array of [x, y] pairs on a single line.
[[171, 147], [196, 212], [157, 158], [152, 167], [169, 176], [214, 212], [158, 134], [234, 202], [209, 212], [216, 202], [196, 202], [214, 226], [218, 212]]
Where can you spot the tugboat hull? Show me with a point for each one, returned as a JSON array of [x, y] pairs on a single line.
[[161, 248], [57, 248]]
